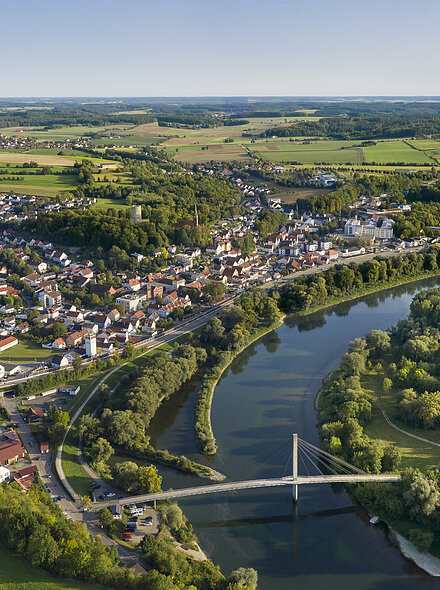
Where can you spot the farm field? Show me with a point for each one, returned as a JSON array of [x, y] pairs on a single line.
[[292, 195], [430, 147], [41, 186], [47, 157], [395, 151], [26, 352], [18, 574], [9, 157], [316, 152]]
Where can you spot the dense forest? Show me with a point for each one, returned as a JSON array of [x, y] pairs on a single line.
[[362, 127]]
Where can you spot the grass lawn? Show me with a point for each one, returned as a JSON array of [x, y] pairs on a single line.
[[26, 351], [110, 204], [18, 574]]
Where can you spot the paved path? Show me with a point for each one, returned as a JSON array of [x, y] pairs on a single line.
[[385, 415]]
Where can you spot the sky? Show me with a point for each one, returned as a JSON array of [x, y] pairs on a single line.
[[219, 48]]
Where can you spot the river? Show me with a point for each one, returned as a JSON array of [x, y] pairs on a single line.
[[267, 394]]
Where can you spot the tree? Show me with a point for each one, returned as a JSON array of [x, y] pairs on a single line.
[[89, 429], [246, 578], [378, 341], [105, 518], [214, 291], [422, 498], [126, 429], [352, 363], [100, 451], [391, 458], [387, 384], [173, 517], [77, 363], [59, 329], [86, 501], [58, 422], [125, 474], [247, 244], [128, 351], [149, 479], [42, 549]]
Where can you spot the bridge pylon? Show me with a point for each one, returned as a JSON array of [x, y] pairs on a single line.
[[295, 467]]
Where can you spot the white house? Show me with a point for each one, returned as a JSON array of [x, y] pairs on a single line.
[[5, 474]]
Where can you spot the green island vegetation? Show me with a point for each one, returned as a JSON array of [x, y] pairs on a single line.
[[396, 373], [124, 418]]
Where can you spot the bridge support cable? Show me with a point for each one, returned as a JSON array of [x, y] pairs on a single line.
[[315, 460], [327, 464], [339, 461]]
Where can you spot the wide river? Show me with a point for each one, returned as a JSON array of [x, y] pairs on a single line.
[[326, 540]]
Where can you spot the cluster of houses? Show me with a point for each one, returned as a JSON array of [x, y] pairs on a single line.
[[22, 142], [11, 453], [141, 300], [21, 207]]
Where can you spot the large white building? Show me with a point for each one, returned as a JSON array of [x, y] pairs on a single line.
[[379, 228]]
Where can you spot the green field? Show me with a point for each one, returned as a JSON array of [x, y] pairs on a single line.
[[395, 151], [110, 204], [415, 453], [41, 186], [26, 352], [315, 152], [18, 574], [430, 147]]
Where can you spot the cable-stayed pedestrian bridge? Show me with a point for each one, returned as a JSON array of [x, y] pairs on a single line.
[[330, 469]]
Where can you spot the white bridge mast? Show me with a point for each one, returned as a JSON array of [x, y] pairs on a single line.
[[295, 467]]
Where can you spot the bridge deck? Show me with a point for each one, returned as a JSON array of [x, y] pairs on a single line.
[[250, 484]]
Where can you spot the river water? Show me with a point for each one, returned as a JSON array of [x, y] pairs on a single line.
[[325, 541]]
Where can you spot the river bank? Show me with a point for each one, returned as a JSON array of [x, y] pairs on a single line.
[[333, 301]]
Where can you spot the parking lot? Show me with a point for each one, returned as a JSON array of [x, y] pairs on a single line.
[[143, 529]]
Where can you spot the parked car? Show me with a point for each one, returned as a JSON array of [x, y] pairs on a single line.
[[127, 535], [109, 494]]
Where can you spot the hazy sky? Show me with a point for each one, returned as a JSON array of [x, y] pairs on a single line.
[[219, 48]]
